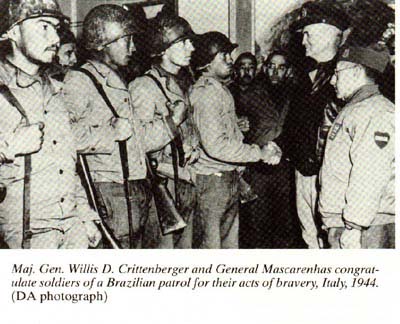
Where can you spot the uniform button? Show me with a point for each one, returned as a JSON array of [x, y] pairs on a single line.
[[61, 171], [45, 112], [93, 149], [54, 142], [62, 200], [126, 100]]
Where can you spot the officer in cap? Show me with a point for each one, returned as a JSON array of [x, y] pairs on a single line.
[[161, 105], [45, 205], [357, 199], [122, 190], [222, 147], [314, 107]]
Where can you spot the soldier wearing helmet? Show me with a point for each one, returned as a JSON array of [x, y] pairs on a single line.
[[108, 33], [222, 147], [161, 106], [45, 205]]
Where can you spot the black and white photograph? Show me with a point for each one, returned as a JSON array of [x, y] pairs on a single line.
[[261, 129]]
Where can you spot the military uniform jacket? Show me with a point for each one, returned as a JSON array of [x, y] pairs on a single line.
[[222, 147], [57, 198], [307, 112], [358, 172], [90, 117], [153, 117]]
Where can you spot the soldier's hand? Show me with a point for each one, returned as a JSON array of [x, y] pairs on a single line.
[[244, 124], [93, 233], [27, 139], [271, 153], [350, 239], [179, 112], [123, 129]]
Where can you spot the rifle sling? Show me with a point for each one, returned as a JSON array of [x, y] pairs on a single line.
[[26, 217], [123, 151], [177, 153]]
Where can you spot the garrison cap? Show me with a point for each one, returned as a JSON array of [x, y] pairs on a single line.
[[376, 59], [325, 12]]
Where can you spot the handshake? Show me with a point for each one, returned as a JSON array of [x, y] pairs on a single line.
[[271, 153]]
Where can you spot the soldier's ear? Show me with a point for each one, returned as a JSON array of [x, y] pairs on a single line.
[[14, 34]]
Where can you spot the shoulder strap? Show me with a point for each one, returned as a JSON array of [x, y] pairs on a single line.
[[26, 216], [123, 151], [177, 152], [100, 89], [159, 85]]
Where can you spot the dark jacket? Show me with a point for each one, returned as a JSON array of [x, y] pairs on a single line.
[[308, 108]]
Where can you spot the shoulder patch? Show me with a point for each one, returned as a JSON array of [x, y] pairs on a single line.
[[381, 139]]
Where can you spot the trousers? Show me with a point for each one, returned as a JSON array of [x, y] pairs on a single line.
[[217, 212], [375, 237], [306, 202], [113, 207]]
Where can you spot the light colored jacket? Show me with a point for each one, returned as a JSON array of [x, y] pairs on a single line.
[[151, 112], [57, 198], [90, 118], [358, 172], [220, 137]]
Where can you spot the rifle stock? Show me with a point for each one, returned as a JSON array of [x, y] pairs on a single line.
[[90, 187]]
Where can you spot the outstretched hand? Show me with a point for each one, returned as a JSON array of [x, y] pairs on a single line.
[[271, 153]]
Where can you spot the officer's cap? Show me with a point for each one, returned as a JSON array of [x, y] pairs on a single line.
[[322, 13]]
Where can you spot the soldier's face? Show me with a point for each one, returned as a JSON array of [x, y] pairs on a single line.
[[118, 53], [246, 71], [180, 53], [37, 38], [66, 55], [277, 69], [321, 39], [222, 65], [345, 79]]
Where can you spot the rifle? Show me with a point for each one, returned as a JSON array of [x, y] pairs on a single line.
[[123, 151], [90, 187]]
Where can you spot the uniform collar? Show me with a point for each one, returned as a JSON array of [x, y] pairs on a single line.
[[363, 93], [207, 80], [171, 80], [111, 77], [15, 77]]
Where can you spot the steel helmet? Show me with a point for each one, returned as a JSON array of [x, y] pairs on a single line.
[[13, 12], [107, 23], [208, 45], [169, 29]]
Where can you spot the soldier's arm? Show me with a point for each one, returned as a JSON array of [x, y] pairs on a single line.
[[372, 157], [156, 130], [99, 138], [214, 135]]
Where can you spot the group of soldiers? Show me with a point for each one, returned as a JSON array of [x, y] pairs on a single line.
[[184, 126]]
